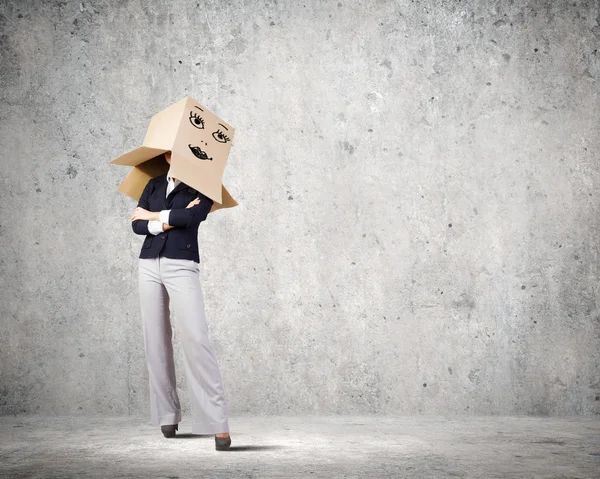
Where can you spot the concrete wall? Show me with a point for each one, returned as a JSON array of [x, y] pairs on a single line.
[[419, 219]]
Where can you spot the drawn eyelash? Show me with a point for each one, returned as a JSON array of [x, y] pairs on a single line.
[[225, 137], [221, 137], [196, 120]]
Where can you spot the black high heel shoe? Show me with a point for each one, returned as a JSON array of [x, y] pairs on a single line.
[[168, 430], [222, 443]]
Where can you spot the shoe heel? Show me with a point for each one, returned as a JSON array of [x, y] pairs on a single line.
[[222, 443], [168, 430]]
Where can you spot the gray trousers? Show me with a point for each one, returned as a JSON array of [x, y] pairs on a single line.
[[164, 282]]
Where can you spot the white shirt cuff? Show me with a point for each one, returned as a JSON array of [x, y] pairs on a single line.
[[164, 216], [154, 227]]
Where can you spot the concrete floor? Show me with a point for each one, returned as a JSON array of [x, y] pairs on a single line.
[[338, 446]]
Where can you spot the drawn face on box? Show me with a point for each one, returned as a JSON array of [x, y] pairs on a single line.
[[204, 137]]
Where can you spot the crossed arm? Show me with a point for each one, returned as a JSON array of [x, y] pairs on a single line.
[[159, 218], [192, 215]]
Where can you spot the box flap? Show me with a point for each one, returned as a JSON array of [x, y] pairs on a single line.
[[227, 201], [134, 183], [137, 156]]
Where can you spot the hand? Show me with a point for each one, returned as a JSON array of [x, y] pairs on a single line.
[[194, 202], [142, 214]]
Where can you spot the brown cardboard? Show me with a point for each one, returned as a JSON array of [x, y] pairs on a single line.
[[199, 142]]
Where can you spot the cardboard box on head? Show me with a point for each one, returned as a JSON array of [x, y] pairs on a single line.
[[199, 142]]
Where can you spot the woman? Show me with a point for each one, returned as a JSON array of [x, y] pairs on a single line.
[[169, 214]]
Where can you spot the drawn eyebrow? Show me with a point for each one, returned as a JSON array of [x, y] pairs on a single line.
[[199, 108], [224, 126]]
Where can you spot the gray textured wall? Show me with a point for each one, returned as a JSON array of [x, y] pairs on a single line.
[[418, 229]]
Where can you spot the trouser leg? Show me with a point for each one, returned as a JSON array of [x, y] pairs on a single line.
[[207, 396], [157, 333]]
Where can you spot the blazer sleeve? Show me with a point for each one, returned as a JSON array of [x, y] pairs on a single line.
[[191, 217], [140, 227]]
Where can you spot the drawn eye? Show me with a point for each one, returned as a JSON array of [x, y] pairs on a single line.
[[220, 136], [196, 120]]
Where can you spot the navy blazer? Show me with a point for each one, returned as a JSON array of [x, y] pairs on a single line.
[[180, 242]]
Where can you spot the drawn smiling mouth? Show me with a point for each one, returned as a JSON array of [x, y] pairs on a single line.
[[198, 153]]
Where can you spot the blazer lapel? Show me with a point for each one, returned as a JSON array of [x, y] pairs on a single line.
[[179, 187], [161, 191]]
